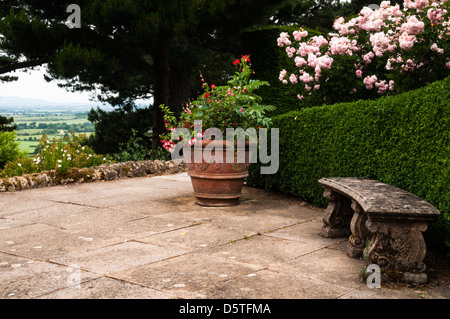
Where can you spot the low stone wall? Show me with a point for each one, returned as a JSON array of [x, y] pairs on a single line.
[[84, 175]]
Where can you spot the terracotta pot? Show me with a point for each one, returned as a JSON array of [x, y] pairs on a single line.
[[215, 183]]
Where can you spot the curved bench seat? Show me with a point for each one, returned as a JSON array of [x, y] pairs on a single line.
[[385, 224]]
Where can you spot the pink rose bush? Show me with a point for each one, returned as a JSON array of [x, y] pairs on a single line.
[[390, 49]]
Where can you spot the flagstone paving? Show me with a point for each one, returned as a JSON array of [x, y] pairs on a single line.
[[147, 238]]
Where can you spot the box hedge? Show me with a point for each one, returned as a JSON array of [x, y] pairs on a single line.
[[401, 140]]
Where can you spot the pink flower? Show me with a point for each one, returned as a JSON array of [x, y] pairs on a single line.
[[305, 77], [298, 35], [282, 75], [420, 4], [340, 45], [380, 42], [318, 41], [407, 41], [299, 62], [283, 39], [358, 73], [412, 26], [391, 85], [293, 79], [290, 51], [369, 81], [435, 15]]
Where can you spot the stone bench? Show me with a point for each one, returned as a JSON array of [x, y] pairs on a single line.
[[384, 225]]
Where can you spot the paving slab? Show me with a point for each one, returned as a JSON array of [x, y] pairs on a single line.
[[147, 238], [187, 274], [118, 257], [106, 288], [267, 284], [23, 278]]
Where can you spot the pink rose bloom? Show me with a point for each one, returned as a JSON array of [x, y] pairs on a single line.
[[408, 4], [380, 42], [358, 73], [366, 12], [324, 62], [319, 41], [369, 81], [435, 16], [420, 4], [293, 79], [299, 62], [407, 41], [391, 85], [282, 75], [283, 39], [312, 60], [306, 78], [290, 51], [298, 35], [412, 26]]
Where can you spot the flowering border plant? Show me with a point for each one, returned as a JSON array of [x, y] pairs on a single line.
[[382, 50], [58, 154], [220, 108]]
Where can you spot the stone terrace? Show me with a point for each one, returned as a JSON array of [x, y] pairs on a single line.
[[145, 237]]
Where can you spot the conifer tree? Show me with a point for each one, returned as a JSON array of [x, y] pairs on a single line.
[[127, 49]]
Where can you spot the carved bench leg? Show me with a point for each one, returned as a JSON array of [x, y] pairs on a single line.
[[360, 233], [337, 215], [398, 248]]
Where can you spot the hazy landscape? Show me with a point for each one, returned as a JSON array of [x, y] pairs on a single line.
[[35, 117]]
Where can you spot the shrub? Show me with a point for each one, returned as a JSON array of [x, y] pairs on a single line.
[[379, 51], [59, 155], [401, 140], [9, 148], [267, 61]]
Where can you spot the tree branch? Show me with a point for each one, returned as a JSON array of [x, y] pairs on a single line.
[[21, 65]]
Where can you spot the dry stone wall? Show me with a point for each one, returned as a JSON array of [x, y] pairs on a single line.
[[84, 175]]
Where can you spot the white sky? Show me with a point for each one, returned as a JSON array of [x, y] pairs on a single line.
[[31, 84]]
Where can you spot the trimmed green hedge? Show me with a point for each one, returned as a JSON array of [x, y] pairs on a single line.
[[268, 60], [401, 140]]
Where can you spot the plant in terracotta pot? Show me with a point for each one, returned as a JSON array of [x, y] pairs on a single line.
[[217, 134]]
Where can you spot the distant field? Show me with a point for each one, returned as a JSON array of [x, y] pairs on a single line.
[[52, 124]]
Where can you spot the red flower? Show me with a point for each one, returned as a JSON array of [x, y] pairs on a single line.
[[236, 62], [246, 58], [213, 86], [206, 94]]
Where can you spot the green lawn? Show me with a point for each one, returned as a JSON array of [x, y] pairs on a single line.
[[24, 135]]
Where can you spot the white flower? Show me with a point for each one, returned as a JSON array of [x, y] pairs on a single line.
[[61, 132], [20, 165]]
